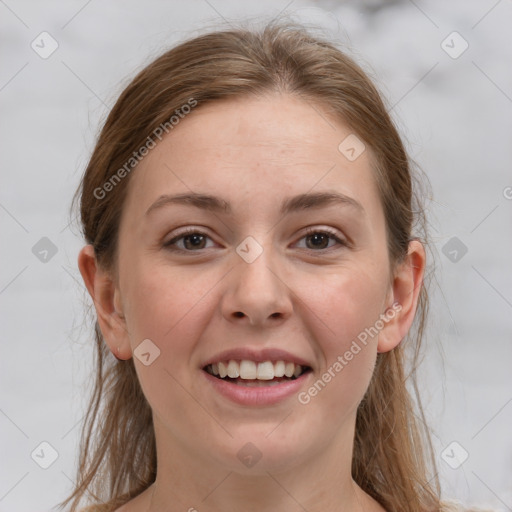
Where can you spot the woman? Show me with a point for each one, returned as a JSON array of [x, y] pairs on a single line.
[[256, 257]]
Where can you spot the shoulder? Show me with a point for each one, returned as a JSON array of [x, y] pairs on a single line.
[[106, 507], [122, 504], [456, 506]]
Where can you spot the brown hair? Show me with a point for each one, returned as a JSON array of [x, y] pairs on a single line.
[[392, 459]]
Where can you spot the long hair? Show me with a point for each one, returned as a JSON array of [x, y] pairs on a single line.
[[392, 458]]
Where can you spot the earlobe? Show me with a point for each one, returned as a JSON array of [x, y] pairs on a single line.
[[406, 287], [106, 299]]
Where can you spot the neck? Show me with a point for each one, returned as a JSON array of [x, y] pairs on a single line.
[[189, 482], [258, 494]]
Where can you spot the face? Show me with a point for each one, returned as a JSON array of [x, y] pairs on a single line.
[[262, 272]]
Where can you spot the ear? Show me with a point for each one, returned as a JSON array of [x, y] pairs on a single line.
[[404, 294], [106, 297]]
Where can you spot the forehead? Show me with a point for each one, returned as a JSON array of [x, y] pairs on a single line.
[[254, 150]]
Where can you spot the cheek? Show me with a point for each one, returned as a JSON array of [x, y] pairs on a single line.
[[166, 306], [172, 310], [347, 308], [345, 304]]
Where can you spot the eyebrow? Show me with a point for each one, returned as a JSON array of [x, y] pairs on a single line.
[[289, 205]]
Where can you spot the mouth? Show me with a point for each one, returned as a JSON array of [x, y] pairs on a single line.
[[256, 374]]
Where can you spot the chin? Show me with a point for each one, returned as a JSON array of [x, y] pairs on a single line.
[[254, 452]]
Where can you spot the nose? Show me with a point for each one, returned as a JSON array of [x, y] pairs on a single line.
[[256, 293]]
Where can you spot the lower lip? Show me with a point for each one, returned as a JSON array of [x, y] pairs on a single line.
[[261, 395]]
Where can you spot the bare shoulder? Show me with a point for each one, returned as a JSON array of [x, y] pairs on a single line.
[[101, 508], [139, 503], [455, 506], [106, 507]]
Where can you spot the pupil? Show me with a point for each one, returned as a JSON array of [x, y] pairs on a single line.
[[196, 238], [316, 237]]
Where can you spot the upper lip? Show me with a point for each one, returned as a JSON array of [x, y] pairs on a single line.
[[256, 355]]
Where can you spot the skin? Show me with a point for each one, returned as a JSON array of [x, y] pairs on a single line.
[[312, 300]]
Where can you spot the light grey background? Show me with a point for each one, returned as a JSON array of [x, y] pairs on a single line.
[[455, 114]]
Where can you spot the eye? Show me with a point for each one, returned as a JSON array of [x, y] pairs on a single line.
[[319, 237], [192, 240]]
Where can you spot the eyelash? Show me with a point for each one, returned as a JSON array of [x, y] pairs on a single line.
[[311, 231]]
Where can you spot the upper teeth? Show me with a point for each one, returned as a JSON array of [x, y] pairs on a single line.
[[250, 370]]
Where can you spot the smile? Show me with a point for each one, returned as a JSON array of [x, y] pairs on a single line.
[[247, 382], [253, 373]]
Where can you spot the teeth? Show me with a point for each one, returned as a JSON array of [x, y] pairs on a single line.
[[223, 371], [289, 369], [279, 369], [233, 369], [249, 370], [265, 371]]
